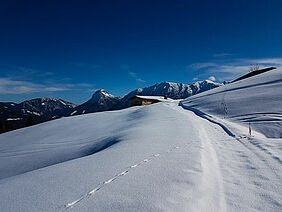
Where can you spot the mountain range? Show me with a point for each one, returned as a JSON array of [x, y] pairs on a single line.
[[14, 116]]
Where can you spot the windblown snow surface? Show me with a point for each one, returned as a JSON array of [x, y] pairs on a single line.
[[256, 100], [160, 157]]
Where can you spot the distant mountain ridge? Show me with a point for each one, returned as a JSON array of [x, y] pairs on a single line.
[[174, 90], [13, 116], [103, 101]]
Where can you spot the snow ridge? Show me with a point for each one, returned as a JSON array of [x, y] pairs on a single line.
[[256, 101]]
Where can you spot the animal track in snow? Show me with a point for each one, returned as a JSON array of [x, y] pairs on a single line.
[[106, 182]]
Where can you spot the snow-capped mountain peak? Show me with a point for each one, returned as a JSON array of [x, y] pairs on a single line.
[[101, 94], [101, 100]]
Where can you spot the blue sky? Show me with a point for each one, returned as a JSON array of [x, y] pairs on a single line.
[[68, 49]]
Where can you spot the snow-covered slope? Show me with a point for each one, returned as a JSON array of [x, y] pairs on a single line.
[[58, 140], [154, 158], [256, 100]]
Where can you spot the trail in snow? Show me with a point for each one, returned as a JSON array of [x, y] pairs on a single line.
[[251, 173], [211, 179], [252, 143]]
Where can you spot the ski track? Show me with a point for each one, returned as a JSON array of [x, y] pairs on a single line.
[[260, 157], [211, 180], [123, 173], [261, 153], [252, 145]]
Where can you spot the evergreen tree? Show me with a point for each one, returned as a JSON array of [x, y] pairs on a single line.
[[1, 127], [29, 122], [8, 126]]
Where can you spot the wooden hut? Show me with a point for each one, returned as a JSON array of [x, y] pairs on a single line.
[[145, 100]]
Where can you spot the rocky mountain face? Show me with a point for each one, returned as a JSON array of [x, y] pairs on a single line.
[[14, 116], [100, 101], [49, 108]]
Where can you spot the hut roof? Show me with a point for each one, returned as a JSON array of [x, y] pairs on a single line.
[[159, 98]]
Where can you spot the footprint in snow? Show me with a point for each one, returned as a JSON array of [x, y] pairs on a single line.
[[94, 190], [109, 181], [123, 173]]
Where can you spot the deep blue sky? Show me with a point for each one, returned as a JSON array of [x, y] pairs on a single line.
[[67, 49]]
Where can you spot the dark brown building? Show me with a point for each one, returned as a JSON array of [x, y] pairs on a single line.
[[145, 100]]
